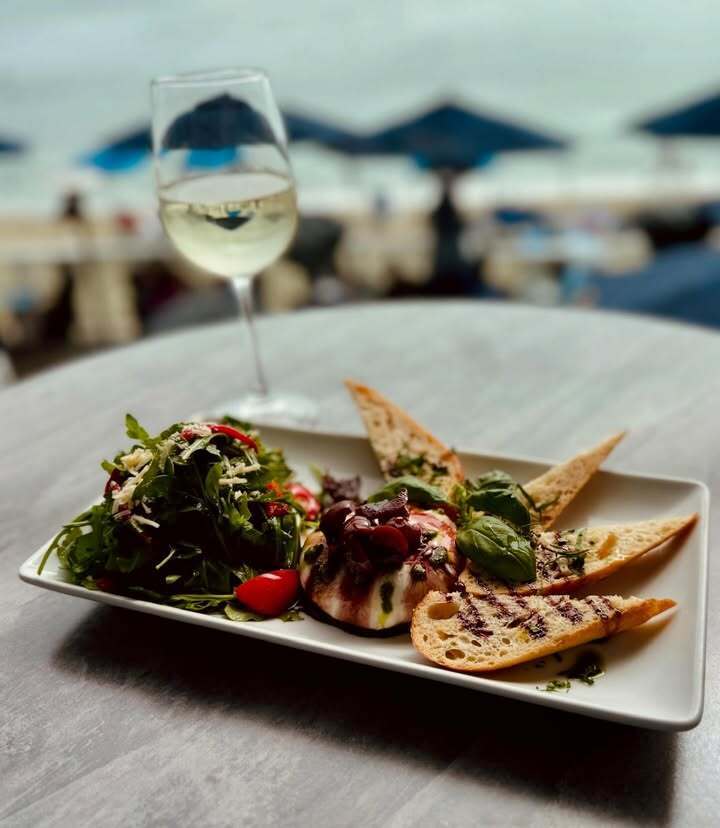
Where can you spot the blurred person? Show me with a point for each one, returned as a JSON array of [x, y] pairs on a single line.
[[452, 273], [58, 318]]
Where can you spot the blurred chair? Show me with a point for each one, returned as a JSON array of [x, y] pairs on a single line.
[[509, 216], [212, 304], [670, 226], [7, 372], [682, 282]]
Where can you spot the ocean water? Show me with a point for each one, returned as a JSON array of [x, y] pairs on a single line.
[[75, 74]]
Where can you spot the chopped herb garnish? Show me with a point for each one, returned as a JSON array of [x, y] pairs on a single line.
[[418, 573], [438, 556], [416, 465], [587, 668], [573, 553], [386, 592], [555, 685]]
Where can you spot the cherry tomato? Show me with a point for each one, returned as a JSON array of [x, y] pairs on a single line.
[[270, 593], [306, 499]]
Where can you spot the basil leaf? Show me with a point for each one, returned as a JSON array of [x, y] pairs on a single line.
[[419, 492], [492, 544], [496, 477], [503, 503], [497, 493]]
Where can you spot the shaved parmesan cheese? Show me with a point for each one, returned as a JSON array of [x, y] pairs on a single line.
[[134, 461]]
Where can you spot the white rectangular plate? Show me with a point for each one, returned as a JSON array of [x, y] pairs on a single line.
[[654, 674]]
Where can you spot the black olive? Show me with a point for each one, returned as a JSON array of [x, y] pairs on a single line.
[[357, 525], [412, 532], [333, 518]]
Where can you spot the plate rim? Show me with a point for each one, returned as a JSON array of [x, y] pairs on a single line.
[[27, 573]]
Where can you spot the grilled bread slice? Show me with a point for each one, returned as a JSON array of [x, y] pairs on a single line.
[[401, 445], [604, 550], [477, 634], [553, 491]]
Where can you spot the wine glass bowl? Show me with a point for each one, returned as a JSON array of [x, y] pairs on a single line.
[[227, 194], [230, 224]]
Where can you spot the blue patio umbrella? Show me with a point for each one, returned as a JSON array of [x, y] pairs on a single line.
[[212, 131], [130, 151], [452, 136], [122, 154], [10, 145], [699, 118], [306, 128], [218, 123]]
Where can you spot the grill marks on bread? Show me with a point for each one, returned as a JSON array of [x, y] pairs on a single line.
[[477, 633]]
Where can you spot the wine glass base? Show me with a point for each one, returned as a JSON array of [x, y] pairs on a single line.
[[272, 409]]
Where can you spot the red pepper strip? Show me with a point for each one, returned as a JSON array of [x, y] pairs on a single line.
[[306, 499], [274, 487], [189, 433], [270, 593], [229, 431], [276, 508]]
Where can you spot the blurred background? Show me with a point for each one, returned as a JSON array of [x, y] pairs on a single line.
[[550, 153]]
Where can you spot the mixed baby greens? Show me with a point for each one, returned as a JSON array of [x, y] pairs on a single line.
[[186, 517]]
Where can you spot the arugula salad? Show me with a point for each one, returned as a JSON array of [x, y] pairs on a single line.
[[203, 516]]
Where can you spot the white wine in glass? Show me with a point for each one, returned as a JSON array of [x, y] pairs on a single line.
[[231, 224], [239, 218]]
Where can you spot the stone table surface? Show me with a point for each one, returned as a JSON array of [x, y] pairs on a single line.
[[109, 717]]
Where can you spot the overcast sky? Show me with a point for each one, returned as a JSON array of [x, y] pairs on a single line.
[[76, 72]]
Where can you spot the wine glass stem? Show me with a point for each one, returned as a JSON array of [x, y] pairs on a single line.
[[242, 287]]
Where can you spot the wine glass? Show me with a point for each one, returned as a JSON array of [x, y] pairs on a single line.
[[227, 196]]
